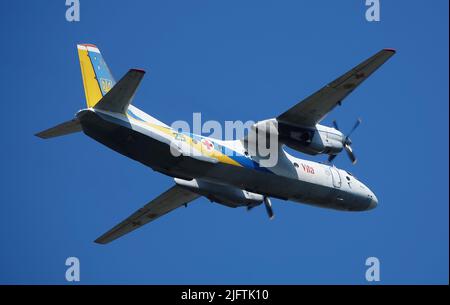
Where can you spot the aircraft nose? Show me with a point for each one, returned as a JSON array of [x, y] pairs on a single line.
[[373, 202]]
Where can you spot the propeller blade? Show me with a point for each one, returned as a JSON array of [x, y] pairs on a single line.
[[335, 125], [354, 127], [269, 209], [350, 153]]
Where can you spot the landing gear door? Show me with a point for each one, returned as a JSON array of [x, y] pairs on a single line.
[[336, 177]]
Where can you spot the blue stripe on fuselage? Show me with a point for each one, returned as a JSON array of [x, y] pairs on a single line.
[[234, 155]]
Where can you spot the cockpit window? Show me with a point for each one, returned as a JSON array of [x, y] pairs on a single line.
[[350, 174]]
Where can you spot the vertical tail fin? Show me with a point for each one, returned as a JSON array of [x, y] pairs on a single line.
[[97, 78]]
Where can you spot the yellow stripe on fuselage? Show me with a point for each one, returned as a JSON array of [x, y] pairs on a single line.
[[197, 145]]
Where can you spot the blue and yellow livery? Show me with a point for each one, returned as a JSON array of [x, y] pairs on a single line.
[[221, 171], [97, 78]]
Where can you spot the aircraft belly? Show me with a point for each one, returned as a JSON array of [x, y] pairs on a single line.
[[265, 183], [157, 155], [128, 142]]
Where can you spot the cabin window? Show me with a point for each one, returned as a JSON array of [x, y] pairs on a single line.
[[296, 165]]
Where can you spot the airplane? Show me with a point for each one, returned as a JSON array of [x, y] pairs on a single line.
[[235, 179]]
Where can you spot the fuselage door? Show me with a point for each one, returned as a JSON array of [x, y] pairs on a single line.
[[336, 177]]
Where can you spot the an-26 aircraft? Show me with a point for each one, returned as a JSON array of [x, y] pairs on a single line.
[[234, 179]]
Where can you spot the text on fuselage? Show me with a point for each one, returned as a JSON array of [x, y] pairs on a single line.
[[308, 169]]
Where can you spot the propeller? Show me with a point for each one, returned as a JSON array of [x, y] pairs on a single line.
[[346, 142], [269, 209], [268, 205]]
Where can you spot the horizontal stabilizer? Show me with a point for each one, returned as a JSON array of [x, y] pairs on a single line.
[[120, 96], [61, 129]]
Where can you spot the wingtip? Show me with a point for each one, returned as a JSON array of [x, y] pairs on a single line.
[[100, 241], [138, 70], [41, 135], [390, 50]]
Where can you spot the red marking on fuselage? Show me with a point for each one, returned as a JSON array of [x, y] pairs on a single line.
[[308, 169]]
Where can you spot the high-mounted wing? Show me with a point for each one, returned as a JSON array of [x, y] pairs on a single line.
[[171, 199], [313, 109]]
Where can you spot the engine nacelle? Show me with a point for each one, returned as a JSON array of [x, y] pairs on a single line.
[[313, 141], [226, 195], [316, 140]]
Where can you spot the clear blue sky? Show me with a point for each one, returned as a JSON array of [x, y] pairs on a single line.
[[230, 60]]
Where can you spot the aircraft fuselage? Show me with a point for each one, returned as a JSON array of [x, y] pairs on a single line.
[[294, 179]]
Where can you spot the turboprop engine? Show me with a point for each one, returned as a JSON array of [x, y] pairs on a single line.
[[315, 140], [223, 194]]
